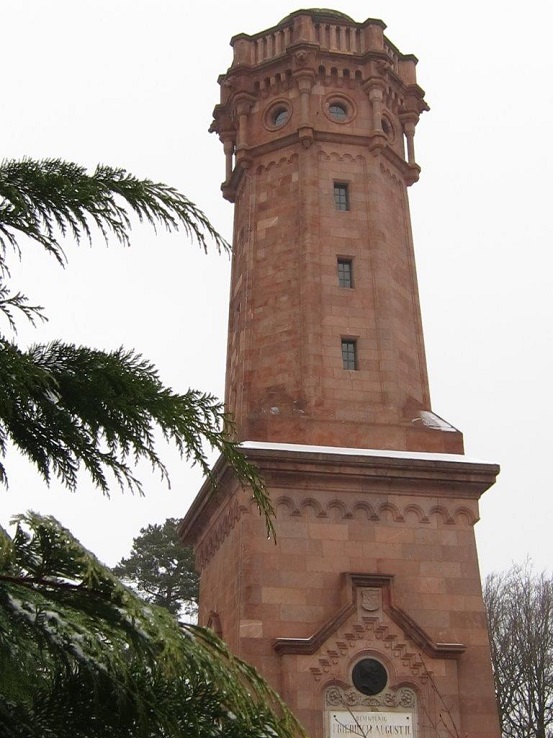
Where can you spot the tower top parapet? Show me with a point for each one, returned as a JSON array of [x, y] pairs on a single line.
[[329, 30], [308, 56]]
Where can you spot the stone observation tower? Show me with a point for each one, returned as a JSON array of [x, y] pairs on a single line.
[[368, 611]]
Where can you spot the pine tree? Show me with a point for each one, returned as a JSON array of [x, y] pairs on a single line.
[[161, 569]]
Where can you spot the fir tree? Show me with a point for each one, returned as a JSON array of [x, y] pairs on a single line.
[[161, 569]]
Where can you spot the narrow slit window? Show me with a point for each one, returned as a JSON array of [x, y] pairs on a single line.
[[345, 273], [349, 353], [341, 196]]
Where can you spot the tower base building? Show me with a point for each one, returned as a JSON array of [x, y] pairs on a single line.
[[367, 615]]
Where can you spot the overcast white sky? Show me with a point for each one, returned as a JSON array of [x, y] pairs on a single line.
[[133, 83]]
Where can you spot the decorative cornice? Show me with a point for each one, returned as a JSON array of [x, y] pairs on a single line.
[[420, 474], [220, 531], [376, 143], [391, 175], [362, 507], [423, 475], [214, 492], [337, 156], [409, 172], [276, 163]]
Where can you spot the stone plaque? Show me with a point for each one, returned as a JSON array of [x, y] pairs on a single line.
[[347, 724]]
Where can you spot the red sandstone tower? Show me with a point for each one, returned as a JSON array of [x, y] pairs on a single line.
[[367, 615]]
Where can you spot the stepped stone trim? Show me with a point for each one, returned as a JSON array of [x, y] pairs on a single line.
[[371, 625]]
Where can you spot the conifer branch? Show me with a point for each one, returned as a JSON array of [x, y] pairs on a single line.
[[11, 302], [76, 665], [67, 406], [51, 199]]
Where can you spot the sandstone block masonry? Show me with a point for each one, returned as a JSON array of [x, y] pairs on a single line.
[[370, 603]]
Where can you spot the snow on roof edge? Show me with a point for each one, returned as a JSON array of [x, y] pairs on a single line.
[[387, 453]]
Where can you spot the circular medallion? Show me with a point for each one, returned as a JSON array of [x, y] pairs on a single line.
[[369, 676]]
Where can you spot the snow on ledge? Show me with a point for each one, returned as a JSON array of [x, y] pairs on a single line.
[[377, 453]]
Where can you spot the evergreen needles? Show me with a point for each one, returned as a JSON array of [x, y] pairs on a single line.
[[82, 656]]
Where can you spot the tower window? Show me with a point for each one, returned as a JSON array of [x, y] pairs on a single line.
[[349, 353], [341, 196], [277, 115], [345, 273], [388, 129], [280, 116], [338, 111]]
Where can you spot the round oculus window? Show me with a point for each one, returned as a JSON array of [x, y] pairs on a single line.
[[338, 111], [280, 116], [369, 676]]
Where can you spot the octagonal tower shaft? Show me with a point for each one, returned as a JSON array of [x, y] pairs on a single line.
[[325, 346], [375, 504]]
